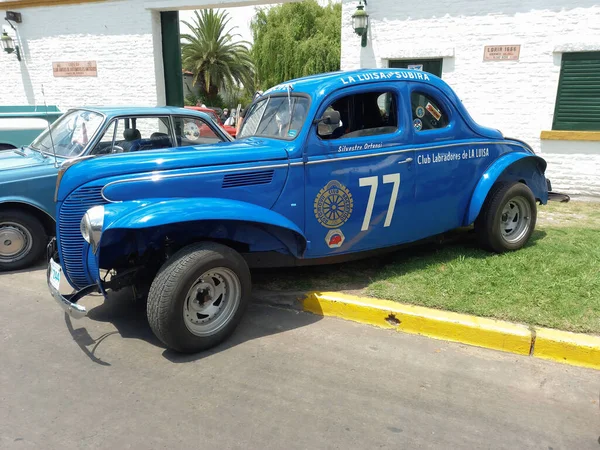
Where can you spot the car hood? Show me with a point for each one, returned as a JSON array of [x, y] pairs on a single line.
[[16, 167], [10, 159], [125, 165]]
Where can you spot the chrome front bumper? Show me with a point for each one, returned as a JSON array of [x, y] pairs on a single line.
[[67, 302]]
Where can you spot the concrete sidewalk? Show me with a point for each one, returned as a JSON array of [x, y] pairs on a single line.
[[286, 379]]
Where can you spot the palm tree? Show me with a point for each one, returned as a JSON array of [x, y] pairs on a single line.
[[214, 55]]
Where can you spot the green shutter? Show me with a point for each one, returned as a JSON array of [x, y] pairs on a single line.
[[578, 97]]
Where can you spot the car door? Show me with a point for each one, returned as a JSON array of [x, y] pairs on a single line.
[[450, 159], [359, 173]]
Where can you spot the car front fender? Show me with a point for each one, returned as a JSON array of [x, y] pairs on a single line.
[[156, 213], [516, 166]]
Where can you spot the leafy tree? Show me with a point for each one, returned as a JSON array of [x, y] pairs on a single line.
[[296, 39], [213, 53]]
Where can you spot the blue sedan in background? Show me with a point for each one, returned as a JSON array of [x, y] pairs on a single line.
[[28, 175]]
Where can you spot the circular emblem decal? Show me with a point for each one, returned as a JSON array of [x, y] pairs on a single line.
[[333, 205], [335, 238], [191, 131], [420, 112], [418, 124]]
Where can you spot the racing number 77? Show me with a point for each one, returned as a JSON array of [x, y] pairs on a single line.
[[373, 182]]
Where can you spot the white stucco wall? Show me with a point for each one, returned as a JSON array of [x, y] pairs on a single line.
[[120, 36], [516, 97]]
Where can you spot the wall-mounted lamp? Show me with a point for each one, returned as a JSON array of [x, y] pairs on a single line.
[[9, 45], [7, 42], [360, 22]]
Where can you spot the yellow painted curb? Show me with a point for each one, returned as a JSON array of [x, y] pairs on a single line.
[[565, 347], [437, 324]]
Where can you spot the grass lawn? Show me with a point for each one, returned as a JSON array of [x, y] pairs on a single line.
[[554, 281]]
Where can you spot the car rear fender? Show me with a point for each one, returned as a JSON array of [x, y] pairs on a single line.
[[149, 222], [512, 167]]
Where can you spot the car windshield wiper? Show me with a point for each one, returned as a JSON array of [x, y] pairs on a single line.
[[35, 149], [20, 151]]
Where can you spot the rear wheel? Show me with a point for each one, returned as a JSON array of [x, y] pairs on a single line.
[[198, 297], [22, 240], [507, 218]]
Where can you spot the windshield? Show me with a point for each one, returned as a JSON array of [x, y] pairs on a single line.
[[70, 134], [280, 117]]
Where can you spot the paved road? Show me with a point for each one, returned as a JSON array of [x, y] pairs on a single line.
[[285, 380]]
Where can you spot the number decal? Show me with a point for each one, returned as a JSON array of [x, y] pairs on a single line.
[[373, 182], [391, 178]]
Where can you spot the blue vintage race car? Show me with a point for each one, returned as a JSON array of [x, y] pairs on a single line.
[[28, 175], [325, 168]]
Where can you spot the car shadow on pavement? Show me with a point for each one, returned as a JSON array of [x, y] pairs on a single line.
[[128, 316], [259, 321], [40, 265]]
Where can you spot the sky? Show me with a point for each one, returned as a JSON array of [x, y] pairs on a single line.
[[241, 17]]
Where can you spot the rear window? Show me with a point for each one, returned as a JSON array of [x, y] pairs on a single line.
[[427, 113]]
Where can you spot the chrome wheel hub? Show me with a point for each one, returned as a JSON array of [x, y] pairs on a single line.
[[15, 241], [515, 219], [212, 301]]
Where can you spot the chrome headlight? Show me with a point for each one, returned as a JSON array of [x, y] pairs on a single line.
[[91, 226]]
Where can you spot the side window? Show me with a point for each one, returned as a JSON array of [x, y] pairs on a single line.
[[364, 114], [105, 145], [427, 114], [194, 131], [142, 133]]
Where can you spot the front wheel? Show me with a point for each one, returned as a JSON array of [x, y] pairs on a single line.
[[198, 297], [507, 218], [22, 240]]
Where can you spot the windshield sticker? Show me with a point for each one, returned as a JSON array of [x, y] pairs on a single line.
[[280, 88], [420, 112], [358, 147], [433, 111], [438, 157], [418, 124], [335, 238], [376, 76], [292, 133], [333, 205]]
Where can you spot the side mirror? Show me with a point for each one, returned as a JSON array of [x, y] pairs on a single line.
[[328, 123], [331, 118]]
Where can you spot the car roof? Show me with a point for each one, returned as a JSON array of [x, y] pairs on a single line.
[[316, 85], [133, 110]]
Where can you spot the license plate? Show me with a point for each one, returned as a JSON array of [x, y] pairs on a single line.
[[55, 272]]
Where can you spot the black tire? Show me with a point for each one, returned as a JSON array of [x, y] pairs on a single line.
[[173, 282], [491, 232], [32, 229]]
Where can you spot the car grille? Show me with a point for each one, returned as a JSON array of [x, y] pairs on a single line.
[[72, 245]]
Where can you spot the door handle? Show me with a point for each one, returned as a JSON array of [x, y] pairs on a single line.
[[407, 160]]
